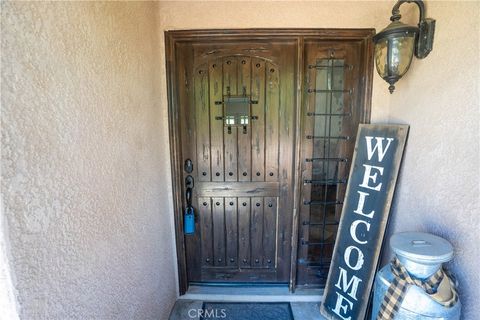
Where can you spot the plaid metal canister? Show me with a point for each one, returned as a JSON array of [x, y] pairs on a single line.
[[415, 285]]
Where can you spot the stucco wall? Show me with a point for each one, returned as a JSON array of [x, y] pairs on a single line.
[[438, 189], [84, 161]]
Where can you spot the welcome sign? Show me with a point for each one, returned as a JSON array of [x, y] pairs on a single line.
[[375, 165]]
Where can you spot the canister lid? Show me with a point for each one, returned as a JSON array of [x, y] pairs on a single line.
[[421, 247]]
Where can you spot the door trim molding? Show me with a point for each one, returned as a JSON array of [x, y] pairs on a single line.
[[298, 35]]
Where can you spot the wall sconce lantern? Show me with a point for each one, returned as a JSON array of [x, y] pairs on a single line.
[[396, 44]]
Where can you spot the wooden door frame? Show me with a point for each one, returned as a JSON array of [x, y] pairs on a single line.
[[298, 35]]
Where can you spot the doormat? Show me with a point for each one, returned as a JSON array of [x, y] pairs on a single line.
[[247, 311]]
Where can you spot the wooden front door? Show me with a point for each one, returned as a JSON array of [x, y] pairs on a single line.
[[237, 104], [262, 124]]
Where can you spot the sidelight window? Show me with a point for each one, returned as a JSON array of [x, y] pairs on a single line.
[[327, 153]]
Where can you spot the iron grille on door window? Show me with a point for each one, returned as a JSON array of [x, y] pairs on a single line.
[[328, 134]]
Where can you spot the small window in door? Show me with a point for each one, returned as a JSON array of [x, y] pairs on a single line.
[[236, 110]]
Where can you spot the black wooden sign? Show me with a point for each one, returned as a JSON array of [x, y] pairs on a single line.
[[373, 174]]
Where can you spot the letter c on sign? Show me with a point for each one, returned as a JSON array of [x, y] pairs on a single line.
[[353, 229], [360, 259]]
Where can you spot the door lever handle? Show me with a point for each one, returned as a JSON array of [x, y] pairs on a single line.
[[188, 196], [189, 182]]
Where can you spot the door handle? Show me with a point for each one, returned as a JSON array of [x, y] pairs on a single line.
[[189, 184], [188, 197]]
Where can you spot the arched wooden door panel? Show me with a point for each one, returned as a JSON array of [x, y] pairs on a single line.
[[238, 111]]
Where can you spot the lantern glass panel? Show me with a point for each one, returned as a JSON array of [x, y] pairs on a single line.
[[381, 59], [394, 55]]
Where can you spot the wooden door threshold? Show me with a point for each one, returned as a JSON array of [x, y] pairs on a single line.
[[252, 293]]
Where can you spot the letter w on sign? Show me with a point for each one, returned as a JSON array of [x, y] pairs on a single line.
[[371, 183]]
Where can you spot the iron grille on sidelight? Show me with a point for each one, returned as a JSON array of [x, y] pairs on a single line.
[[327, 136]]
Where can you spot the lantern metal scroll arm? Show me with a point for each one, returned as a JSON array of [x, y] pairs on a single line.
[[426, 26]]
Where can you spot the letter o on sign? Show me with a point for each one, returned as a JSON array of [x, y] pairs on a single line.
[[360, 258]]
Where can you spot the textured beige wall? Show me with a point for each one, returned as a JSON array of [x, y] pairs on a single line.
[[84, 161], [438, 189]]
